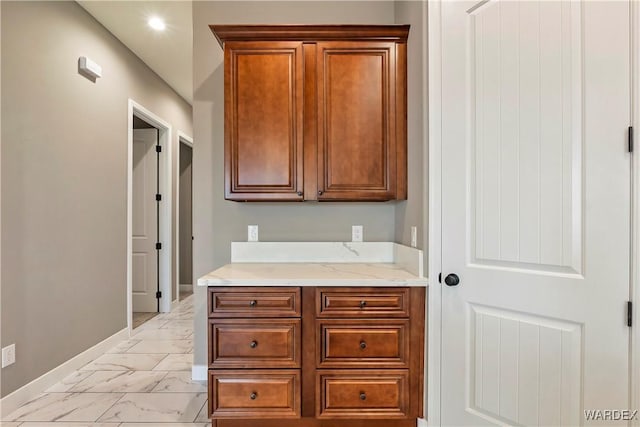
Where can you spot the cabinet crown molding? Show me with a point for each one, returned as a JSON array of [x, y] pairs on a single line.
[[312, 33]]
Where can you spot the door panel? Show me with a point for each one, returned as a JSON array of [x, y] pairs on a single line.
[[356, 120], [145, 221], [535, 210], [527, 136], [264, 156]]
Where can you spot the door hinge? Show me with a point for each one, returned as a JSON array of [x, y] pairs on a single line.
[[158, 148], [158, 294], [630, 139], [158, 246], [629, 313], [440, 277], [158, 197]]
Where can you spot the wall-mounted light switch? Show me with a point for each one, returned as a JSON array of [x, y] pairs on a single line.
[[414, 237], [356, 233], [252, 233]]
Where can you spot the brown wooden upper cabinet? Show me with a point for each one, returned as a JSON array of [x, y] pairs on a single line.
[[315, 112]]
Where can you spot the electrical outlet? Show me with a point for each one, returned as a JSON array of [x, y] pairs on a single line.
[[356, 233], [9, 355], [414, 236], [252, 233]]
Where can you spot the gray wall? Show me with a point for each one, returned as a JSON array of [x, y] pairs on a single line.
[[64, 166], [217, 222], [413, 211]]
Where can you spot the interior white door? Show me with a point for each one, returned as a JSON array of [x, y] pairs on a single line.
[[535, 210], [145, 221]]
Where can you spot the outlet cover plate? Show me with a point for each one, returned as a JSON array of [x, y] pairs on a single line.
[[356, 233], [252, 233], [9, 355], [414, 236]]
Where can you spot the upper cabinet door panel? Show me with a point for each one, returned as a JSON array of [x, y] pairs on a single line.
[[356, 120], [263, 132]]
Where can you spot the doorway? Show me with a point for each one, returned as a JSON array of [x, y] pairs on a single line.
[[185, 217], [149, 216], [146, 222]]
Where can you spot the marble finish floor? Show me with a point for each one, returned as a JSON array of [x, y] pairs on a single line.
[[144, 381], [139, 318]]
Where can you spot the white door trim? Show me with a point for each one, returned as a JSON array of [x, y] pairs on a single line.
[[635, 200], [435, 219], [165, 141], [185, 139]]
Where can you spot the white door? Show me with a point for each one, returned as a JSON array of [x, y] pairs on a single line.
[[145, 220], [535, 210]]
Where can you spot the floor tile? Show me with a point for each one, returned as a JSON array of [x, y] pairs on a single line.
[[124, 346], [186, 323], [124, 362], [180, 382], [176, 362], [120, 381], [69, 382], [66, 424], [164, 425], [156, 407], [163, 334], [66, 407], [162, 346], [203, 415]]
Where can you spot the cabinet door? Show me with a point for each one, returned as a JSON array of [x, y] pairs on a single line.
[[263, 120], [356, 120]]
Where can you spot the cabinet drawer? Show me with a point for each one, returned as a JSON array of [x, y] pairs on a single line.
[[245, 343], [254, 302], [254, 394], [362, 302], [363, 394], [357, 343]]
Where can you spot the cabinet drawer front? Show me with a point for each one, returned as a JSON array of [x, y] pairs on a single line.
[[363, 394], [362, 302], [254, 394], [355, 343], [254, 302], [245, 343]]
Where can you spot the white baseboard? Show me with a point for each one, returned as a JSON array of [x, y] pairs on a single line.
[[29, 391], [199, 373], [422, 422], [186, 288]]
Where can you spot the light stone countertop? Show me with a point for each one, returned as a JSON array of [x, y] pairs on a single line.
[[312, 274]]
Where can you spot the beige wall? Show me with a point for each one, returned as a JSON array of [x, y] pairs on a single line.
[[64, 166], [217, 222]]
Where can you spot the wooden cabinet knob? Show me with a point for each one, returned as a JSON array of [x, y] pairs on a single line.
[[253, 344], [253, 395], [300, 193], [363, 345], [363, 395], [253, 303], [320, 193], [363, 304]]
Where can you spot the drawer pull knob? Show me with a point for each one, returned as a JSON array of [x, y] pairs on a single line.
[[363, 345], [363, 395], [253, 344], [253, 303], [363, 304], [253, 395]]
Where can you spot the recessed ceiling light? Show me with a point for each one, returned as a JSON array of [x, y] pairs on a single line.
[[157, 23]]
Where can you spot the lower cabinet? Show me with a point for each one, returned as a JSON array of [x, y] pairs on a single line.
[[316, 357]]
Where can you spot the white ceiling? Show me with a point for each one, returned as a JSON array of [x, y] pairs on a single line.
[[169, 53]]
